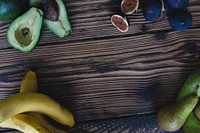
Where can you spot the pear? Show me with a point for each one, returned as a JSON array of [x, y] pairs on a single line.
[[190, 86], [197, 111], [172, 117], [192, 124]]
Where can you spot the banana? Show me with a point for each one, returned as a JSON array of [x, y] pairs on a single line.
[[29, 82], [34, 102], [24, 123], [42, 120], [192, 124]]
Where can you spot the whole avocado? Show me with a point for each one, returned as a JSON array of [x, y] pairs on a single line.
[[11, 9]]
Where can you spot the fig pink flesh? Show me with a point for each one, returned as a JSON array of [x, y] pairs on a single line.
[[129, 5], [120, 23]]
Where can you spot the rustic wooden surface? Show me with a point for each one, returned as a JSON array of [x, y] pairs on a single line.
[[100, 73]]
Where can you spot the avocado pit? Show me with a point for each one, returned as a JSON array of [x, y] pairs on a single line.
[[50, 9], [24, 32], [23, 35], [55, 16]]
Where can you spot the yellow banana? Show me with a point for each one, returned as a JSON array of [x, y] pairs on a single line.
[[42, 120], [29, 82], [34, 102], [24, 123]]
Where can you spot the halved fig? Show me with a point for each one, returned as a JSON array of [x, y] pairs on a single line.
[[120, 23], [129, 6]]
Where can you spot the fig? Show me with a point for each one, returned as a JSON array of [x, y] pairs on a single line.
[[180, 20], [129, 6], [11, 9], [120, 23], [24, 32], [155, 10], [177, 4], [55, 16]]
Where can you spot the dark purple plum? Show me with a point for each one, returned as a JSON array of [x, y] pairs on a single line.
[[180, 20], [177, 4], [155, 10]]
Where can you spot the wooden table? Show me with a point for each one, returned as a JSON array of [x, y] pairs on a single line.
[[112, 82]]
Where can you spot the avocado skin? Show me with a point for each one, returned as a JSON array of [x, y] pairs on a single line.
[[32, 19], [11, 9], [60, 27]]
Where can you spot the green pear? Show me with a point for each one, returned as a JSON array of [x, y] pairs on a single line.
[[197, 111], [172, 117], [190, 86], [192, 124]]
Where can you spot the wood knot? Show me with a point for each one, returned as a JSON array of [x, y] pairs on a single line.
[[191, 47]]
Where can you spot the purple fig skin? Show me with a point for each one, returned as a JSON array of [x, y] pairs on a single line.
[[155, 10], [177, 4], [180, 20]]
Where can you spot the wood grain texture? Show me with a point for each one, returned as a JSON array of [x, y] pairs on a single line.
[[131, 124], [91, 21], [122, 125], [107, 78], [100, 73]]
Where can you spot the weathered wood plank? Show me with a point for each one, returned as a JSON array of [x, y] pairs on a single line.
[[107, 78], [91, 20], [132, 124], [100, 73]]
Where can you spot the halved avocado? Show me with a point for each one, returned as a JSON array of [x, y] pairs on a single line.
[[60, 24], [24, 32]]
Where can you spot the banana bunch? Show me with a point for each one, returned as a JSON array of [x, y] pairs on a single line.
[[25, 111]]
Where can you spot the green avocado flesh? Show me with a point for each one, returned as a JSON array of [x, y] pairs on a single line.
[[10, 9], [61, 27], [24, 32], [23, 35]]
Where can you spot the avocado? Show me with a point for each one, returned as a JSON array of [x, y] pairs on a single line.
[[24, 32], [55, 16], [10, 9]]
